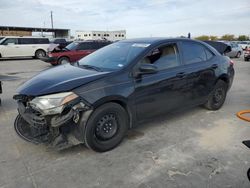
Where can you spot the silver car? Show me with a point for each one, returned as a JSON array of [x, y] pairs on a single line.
[[236, 50]]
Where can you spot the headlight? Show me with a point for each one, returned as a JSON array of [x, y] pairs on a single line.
[[52, 104]]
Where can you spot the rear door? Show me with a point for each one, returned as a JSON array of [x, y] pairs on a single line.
[[27, 46], [200, 67], [163, 91]]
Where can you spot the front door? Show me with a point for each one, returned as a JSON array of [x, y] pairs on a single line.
[[10, 48], [162, 91]]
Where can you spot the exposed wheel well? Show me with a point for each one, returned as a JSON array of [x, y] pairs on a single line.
[[224, 79]]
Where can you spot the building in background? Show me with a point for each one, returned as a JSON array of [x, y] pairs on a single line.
[[33, 31], [101, 35]]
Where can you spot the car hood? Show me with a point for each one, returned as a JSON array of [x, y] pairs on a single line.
[[59, 79]]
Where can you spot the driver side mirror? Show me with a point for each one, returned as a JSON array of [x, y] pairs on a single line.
[[145, 68]]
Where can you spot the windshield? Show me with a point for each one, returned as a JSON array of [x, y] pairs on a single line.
[[114, 56], [72, 46]]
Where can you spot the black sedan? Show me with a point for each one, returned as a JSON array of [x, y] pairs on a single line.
[[96, 100]]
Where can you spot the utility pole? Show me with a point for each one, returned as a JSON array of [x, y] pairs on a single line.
[[51, 18]]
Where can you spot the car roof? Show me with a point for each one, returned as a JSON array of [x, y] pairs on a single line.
[[152, 40], [84, 41]]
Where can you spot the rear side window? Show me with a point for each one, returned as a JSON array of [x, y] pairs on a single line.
[[33, 41], [193, 52], [209, 54], [41, 41], [10, 40]]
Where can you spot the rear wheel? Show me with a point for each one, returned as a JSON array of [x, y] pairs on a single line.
[[246, 59], [106, 127], [40, 53], [217, 97], [63, 60]]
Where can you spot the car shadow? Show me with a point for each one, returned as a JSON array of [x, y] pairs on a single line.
[[16, 59], [138, 130]]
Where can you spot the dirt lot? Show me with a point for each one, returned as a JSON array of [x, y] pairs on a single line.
[[192, 148]]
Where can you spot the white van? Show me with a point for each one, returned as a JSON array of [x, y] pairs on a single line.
[[24, 46]]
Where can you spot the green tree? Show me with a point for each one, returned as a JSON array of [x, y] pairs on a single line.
[[213, 37], [243, 38], [228, 37], [203, 37]]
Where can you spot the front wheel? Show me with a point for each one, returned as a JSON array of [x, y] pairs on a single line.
[[217, 97], [63, 60], [106, 127]]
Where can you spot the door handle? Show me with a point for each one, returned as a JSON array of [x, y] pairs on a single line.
[[214, 66], [180, 74]]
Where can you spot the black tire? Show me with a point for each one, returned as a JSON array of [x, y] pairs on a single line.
[[246, 59], [63, 60], [106, 127], [238, 55], [39, 54], [217, 97]]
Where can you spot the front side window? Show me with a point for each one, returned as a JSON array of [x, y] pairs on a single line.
[[164, 57], [193, 52], [10, 41]]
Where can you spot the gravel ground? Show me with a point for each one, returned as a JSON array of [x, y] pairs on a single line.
[[192, 148]]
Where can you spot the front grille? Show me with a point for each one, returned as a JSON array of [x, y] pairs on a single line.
[[32, 116]]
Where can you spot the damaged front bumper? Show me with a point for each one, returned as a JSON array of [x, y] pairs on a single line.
[[59, 130]]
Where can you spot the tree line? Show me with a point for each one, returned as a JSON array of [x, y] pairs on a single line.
[[227, 37]]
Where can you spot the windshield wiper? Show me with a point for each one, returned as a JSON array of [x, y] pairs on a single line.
[[91, 67]]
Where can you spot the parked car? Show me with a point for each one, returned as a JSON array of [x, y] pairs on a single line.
[[96, 100], [244, 44], [74, 52], [247, 55], [62, 43], [23, 46], [236, 50]]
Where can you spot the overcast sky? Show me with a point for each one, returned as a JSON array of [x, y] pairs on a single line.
[[141, 18]]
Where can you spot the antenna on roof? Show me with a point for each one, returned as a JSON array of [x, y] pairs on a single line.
[[51, 18]]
